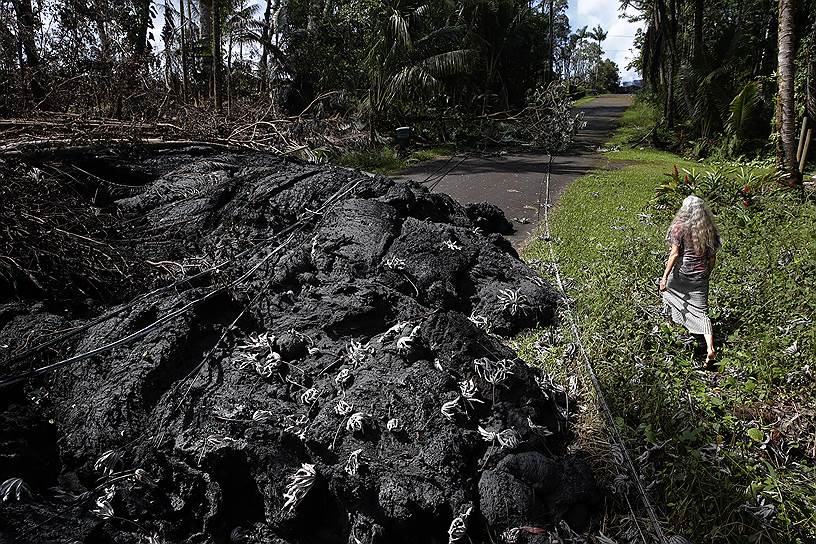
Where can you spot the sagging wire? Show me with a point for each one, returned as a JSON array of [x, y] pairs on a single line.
[[291, 229], [601, 400]]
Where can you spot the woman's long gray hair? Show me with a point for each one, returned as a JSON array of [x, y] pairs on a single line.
[[696, 223]]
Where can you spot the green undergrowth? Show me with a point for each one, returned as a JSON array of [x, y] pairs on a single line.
[[637, 121], [729, 455], [387, 161]]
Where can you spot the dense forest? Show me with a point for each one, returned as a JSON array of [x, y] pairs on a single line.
[[383, 62], [730, 77]]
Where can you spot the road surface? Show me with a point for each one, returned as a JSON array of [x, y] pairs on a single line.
[[512, 181]]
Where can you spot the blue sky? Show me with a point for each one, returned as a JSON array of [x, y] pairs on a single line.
[[618, 45]]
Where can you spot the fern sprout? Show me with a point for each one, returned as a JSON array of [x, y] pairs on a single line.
[[299, 485], [507, 439], [269, 365], [395, 425], [262, 416], [479, 320], [141, 476], [511, 535], [104, 508], [540, 430], [15, 489], [394, 331], [263, 342], [493, 372], [458, 527], [511, 300], [393, 262], [546, 384], [451, 408], [309, 396], [405, 343], [356, 353], [453, 246], [353, 464], [258, 351], [356, 422], [343, 408], [469, 391], [108, 462], [342, 378]]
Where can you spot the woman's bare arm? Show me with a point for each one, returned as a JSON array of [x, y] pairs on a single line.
[[675, 253]]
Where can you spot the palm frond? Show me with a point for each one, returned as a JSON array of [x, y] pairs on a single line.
[[411, 80], [742, 107], [450, 63], [398, 26]]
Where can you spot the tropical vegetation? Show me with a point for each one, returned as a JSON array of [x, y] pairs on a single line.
[[727, 456], [730, 78], [380, 62]]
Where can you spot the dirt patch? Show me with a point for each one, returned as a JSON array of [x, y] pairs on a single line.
[[327, 367]]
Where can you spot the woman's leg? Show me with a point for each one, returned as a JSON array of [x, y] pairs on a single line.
[[709, 338]]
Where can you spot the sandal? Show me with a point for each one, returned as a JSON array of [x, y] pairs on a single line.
[[711, 362]]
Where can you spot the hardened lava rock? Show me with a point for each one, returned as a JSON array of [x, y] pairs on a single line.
[[339, 376]]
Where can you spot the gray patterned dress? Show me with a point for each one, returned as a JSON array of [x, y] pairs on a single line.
[[685, 299]]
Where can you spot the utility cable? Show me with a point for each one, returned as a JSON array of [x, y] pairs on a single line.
[[610, 420], [4, 382]]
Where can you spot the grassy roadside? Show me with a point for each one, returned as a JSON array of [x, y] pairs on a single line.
[[584, 100], [386, 161], [729, 455]]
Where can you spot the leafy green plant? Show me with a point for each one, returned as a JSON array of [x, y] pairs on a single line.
[[729, 455]]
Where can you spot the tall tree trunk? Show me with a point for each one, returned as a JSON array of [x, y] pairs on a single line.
[[30, 70], [168, 34], [785, 113], [206, 27], [229, 73], [263, 66], [139, 32], [218, 87], [550, 73], [184, 75], [810, 96], [697, 44]]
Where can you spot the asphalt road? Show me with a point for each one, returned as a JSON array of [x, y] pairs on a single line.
[[512, 181]]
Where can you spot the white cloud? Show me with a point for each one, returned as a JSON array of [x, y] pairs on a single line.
[[618, 44]]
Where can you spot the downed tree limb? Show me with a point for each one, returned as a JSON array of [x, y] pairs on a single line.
[[52, 148]]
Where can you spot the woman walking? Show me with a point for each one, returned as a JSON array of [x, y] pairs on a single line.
[[693, 240]]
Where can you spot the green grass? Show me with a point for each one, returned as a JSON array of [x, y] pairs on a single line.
[[584, 100], [635, 123], [718, 441], [385, 160]]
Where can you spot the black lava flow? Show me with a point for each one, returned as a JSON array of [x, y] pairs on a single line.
[[354, 388]]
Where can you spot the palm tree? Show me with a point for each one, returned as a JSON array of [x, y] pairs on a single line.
[[785, 109], [599, 35], [405, 60]]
